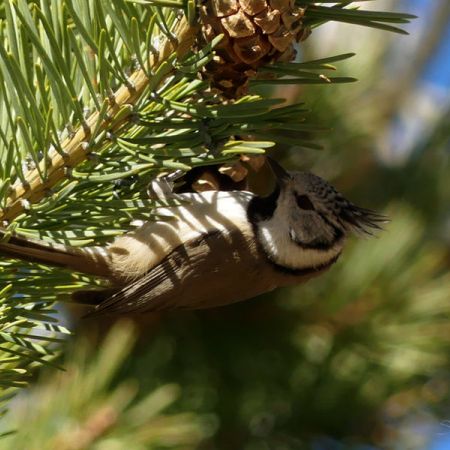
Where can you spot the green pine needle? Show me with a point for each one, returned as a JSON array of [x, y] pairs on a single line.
[[316, 14]]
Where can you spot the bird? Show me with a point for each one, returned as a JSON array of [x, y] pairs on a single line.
[[213, 248]]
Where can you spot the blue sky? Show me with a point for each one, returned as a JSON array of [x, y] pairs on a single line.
[[438, 70], [431, 96]]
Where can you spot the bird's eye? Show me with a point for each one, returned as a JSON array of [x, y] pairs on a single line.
[[303, 202]]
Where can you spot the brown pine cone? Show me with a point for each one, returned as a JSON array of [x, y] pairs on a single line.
[[256, 32]]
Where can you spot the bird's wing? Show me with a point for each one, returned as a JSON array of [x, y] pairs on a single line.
[[200, 274]]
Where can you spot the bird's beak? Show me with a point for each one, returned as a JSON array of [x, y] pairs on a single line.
[[280, 173]]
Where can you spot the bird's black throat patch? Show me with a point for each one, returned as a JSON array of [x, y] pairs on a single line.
[[262, 208]]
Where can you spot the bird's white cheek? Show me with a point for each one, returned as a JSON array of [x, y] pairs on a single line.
[[270, 241], [281, 249]]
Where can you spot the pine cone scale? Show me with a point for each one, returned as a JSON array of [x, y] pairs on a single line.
[[268, 20], [253, 7], [224, 8], [251, 50], [238, 25]]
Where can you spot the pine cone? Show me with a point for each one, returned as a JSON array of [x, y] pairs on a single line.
[[256, 32]]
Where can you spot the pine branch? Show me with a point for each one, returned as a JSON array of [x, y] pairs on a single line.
[[31, 123], [29, 329], [91, 409], [116, 110]]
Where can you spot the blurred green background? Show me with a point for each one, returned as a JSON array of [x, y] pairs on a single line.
[[356, 359]]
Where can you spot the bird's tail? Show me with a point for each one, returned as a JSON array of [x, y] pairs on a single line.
[[89, 260]]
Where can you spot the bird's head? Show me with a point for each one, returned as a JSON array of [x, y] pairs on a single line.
[[308, 220]]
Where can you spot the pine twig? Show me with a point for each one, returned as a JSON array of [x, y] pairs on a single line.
[[75, 147]]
